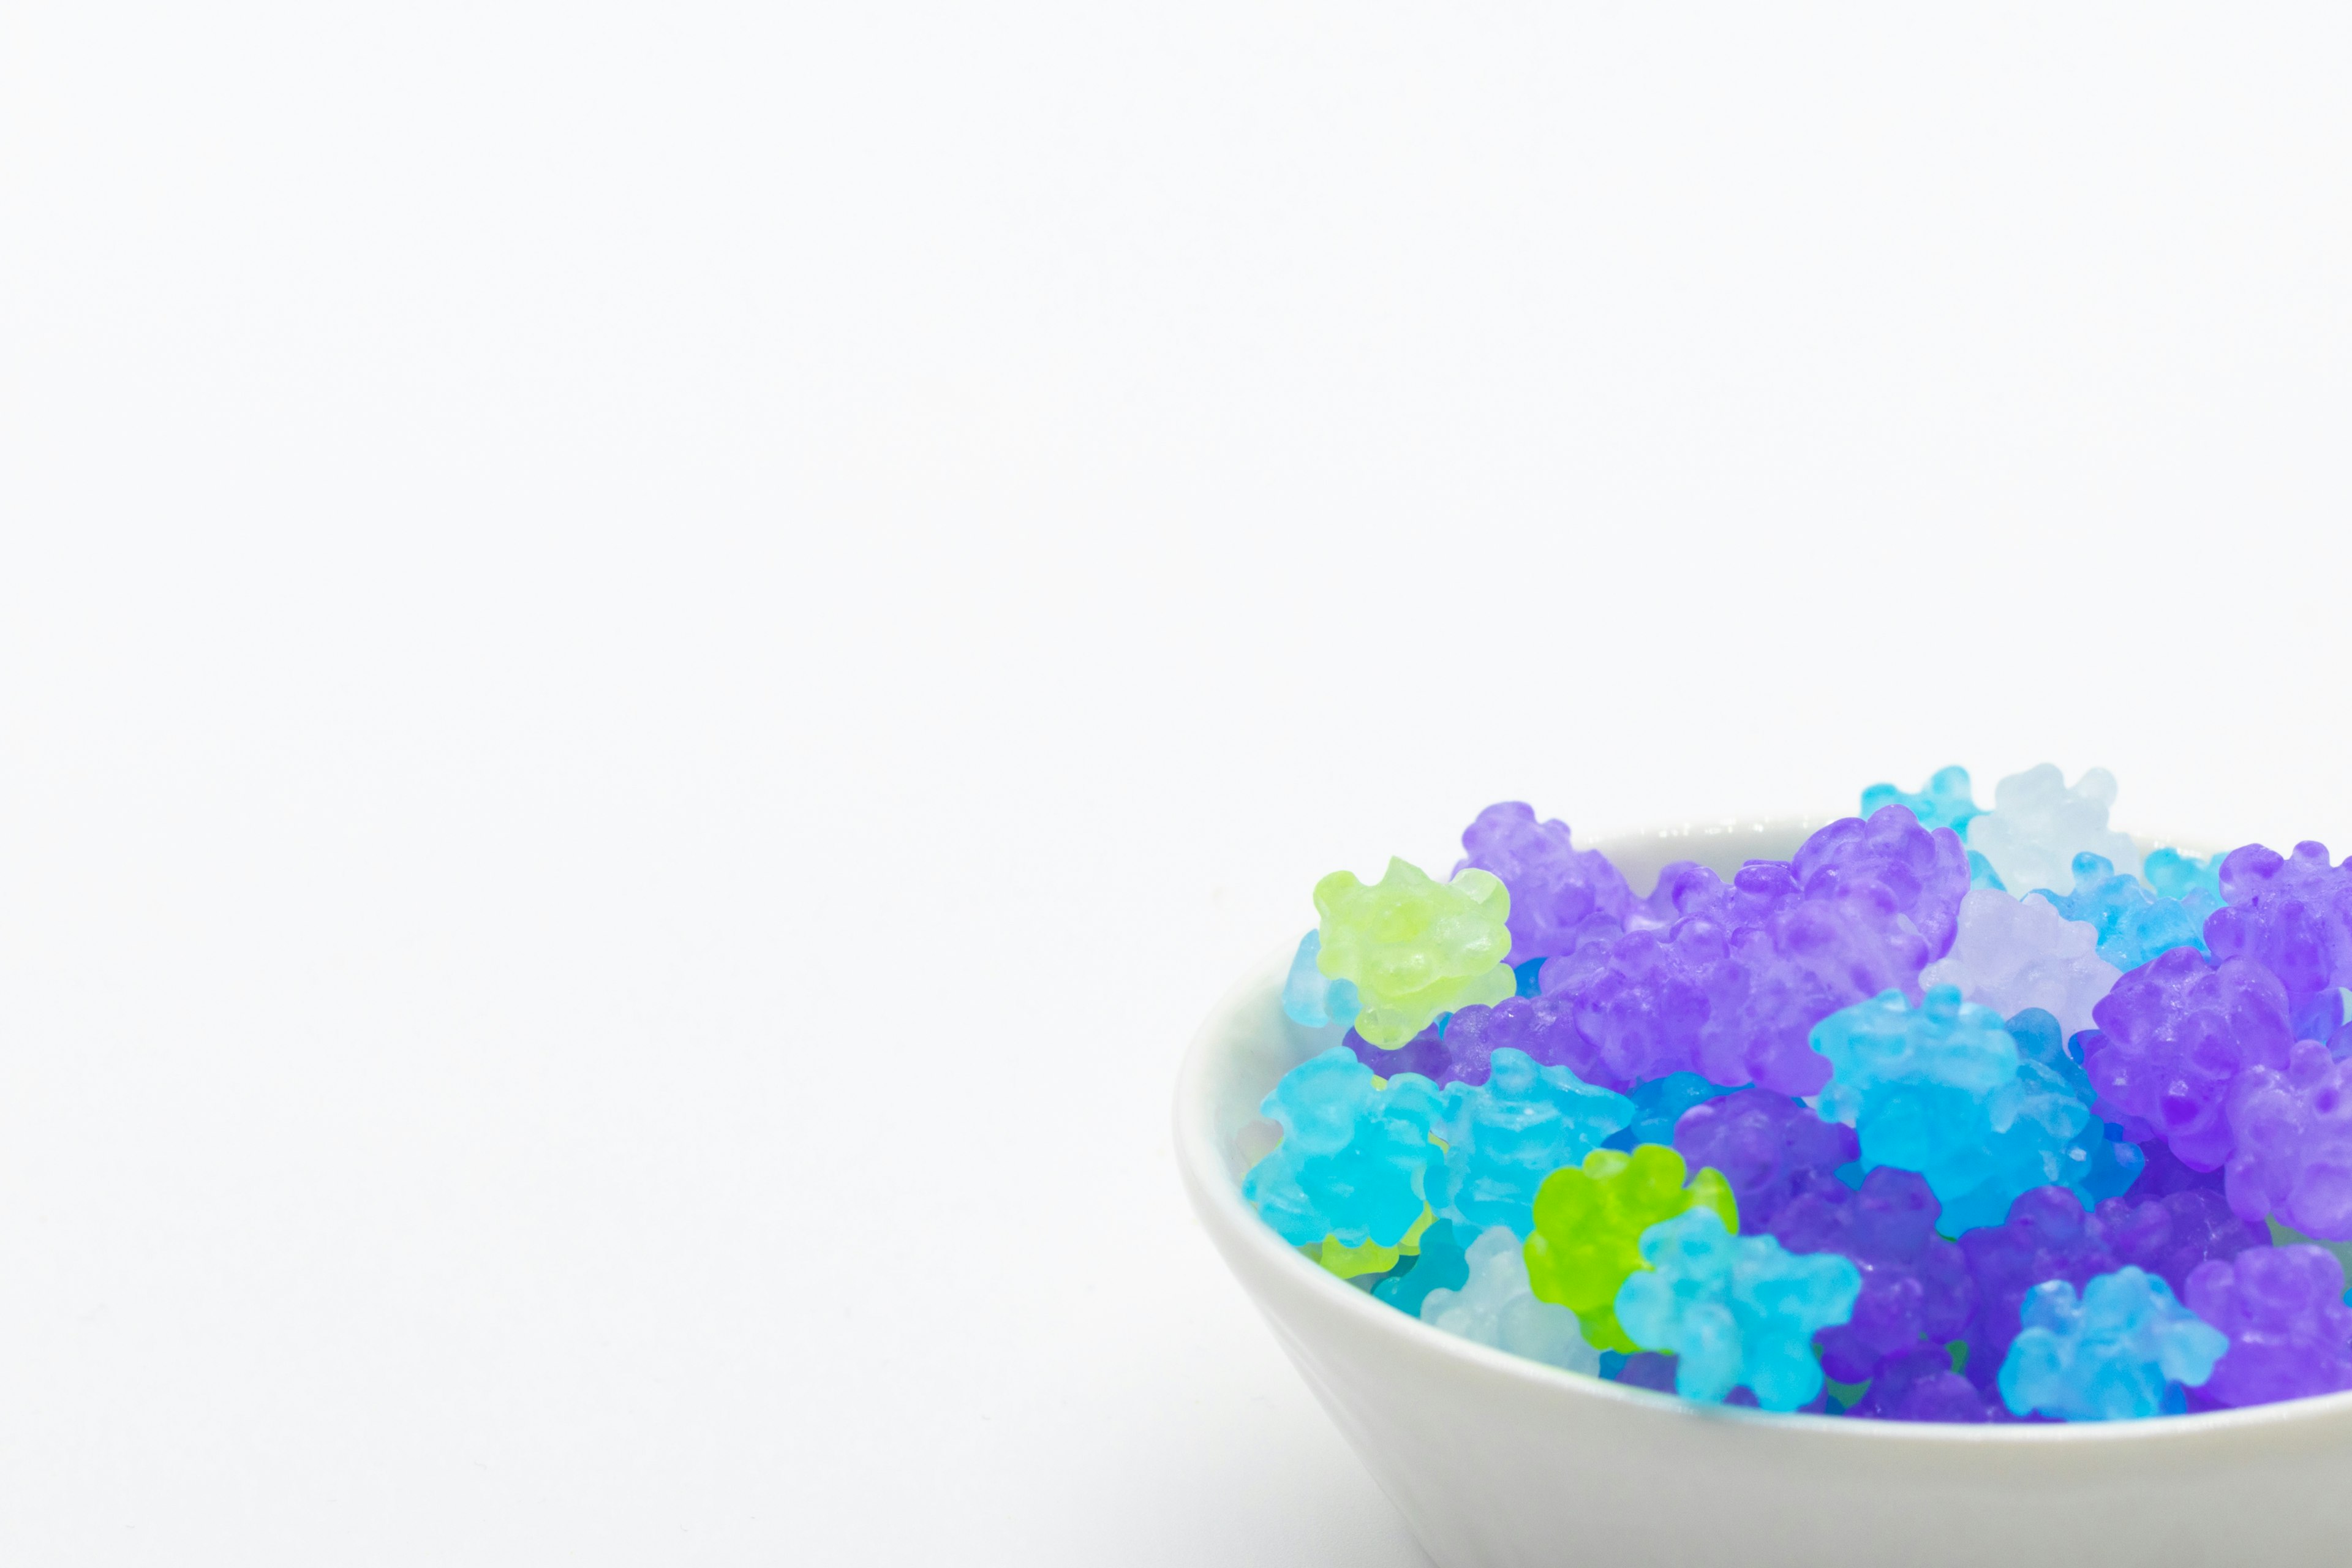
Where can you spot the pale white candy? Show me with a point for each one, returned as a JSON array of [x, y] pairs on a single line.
[[2015, 954], [2037, 825], [1494, 1307]]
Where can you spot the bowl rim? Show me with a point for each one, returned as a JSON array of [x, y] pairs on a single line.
[[1217, 1200]]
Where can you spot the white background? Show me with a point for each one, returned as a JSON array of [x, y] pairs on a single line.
[[652, 658]]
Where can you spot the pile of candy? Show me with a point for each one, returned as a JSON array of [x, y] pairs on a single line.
[[1958, 1115]]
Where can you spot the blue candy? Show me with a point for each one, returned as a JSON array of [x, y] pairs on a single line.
[[2177, 876], [1442, 1265], [2121, 1352], [1734, 1310], [1494, 1307], [1505, 1135], [2134, 924], [1313, 998], [1659, 1104], [1355, 1163], [1944, 802], [1983, 1111]]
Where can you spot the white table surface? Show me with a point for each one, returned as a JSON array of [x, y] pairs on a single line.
[[651, 660]]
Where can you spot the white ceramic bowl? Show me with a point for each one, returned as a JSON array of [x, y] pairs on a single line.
[[1497, 1462]]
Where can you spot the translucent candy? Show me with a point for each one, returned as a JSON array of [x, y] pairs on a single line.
[[1736, 1311], [1425, 1055], [1414, 947], [2173, 1036], [1894, 888], [2012, 954], [2292, 915], [1886, 1043], [1505, 1135], [2290, 1332], [2037, 825], [1353, 1260], [2109, 1119], [1656, 1003], [1916, 1289], [1589, 1223], [2047, 1236], [1556, 890], [1659, 1104], [2184, 877], [2293, 1130], [1946, 1090], [1920, 1385], [1440, 1264], [2120, 1352], [2164, 1175], [2090, 1161], [1311, 997], [1542, 1027], [2134, 924], [1494, 1307], [1355, 1163], [2171, 1235], [1944, 802], [1770, 1148], [1727, 980]]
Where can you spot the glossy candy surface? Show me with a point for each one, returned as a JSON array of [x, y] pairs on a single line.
[[2012, 954], [2123, 1349], [1413, 947], [1736, 1311], [1494, 1307], [1589, 1223]]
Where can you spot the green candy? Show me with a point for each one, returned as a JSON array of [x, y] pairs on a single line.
[[1414, 947], [1589, 1226]]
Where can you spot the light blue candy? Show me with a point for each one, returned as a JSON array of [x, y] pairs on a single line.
[[2122, 1351], [1355, 1161], [2135, 924], [1983, 875], [2177, 876], [1442, 1265], [1982, 1110], [1735, 1309], [1313, 998], [1505, 1135], [1659, 1103], [1944, 802]]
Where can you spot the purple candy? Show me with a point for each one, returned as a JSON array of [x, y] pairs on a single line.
[[1460, 1048], [1651, 1003], [1647, 1369], [2292, 915], [2162, 1174], [1728, 980], [1920, 1385], [2173, 1036], [2290, 1332], [1558, 891], [1743, 904], [1916, 1289], [1540, 1025], [2048, 1235], [1770, 1148], [2293, 1136], [2170, 1235], [1915, 876], [1425, 1054]]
